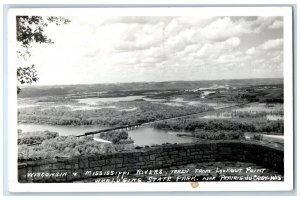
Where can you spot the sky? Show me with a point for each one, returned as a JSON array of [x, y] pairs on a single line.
[[116, 49]]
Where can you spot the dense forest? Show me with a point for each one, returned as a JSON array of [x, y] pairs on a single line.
[[248, 125], [219, 135], [36, 137], [116, 137], [146, 112], [68, 146]]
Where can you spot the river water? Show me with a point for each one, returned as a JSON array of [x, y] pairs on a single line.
[[141, 136]]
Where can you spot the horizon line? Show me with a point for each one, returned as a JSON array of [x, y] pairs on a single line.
[[99, 83]]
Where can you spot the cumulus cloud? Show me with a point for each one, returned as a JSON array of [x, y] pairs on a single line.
[[273, 44], [225, 27], [250, 51], [262, 22], [276, 24], [213, 50], [125, 49]]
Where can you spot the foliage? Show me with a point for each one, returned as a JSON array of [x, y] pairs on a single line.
[[30, 29], [258, 114], [257, 137], [147, 112], [254, 125], [68, 146], [35, 137], [27, 75], [262, 93], [219, 135], [116, 137]]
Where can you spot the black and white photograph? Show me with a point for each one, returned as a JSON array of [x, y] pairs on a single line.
[[152, 98]]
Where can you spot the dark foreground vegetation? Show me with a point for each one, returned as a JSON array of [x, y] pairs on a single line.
[[68, 146], [36, 137], [116, 137], [40, 145]]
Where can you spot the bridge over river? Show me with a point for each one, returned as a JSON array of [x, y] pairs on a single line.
[[125, 127]]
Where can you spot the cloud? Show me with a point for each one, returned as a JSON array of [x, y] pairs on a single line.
[[109, 20], [262, 22], [250, 51], [214, 50], [181, 32], [276, 24], [233, 42], [273, 44], [179, 24], [223, 28], [231, 58], [266, 47], [125, 49], [206, 30]]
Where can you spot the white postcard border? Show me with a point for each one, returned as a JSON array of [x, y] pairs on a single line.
[[286, 185]]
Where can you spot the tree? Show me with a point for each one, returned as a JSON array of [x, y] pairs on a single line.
[[30, 29]]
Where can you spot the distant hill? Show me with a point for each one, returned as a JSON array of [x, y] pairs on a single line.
[[61, 90]]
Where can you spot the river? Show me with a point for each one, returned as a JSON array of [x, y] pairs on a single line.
[[141, 136]]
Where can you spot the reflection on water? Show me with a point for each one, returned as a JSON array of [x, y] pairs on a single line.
[[27, 106], [128, 109], [62, 130], [224, 115], [197, 103], [154, 100], [149, 136], [96, 101], [276, 140], [141, 136], [205, 93]]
